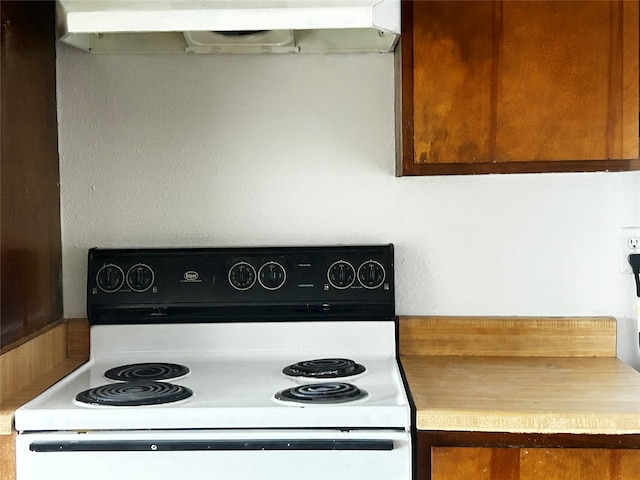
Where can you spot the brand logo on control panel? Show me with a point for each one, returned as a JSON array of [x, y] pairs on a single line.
[[191, 276]]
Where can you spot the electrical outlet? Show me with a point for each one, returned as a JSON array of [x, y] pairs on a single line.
[[629, 243]]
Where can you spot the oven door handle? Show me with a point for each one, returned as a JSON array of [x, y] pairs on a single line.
[[208, 445]]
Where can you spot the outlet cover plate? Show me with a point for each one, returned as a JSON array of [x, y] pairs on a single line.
[[625, 247]]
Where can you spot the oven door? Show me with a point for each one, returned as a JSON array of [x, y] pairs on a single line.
[[215, 454]]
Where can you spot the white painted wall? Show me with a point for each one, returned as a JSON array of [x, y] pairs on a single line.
[[286, 150]]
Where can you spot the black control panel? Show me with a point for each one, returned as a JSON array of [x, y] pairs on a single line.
[[180, 285]]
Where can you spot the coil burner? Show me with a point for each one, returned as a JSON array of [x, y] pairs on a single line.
[[324, 368], [146, 371], [136, 393], [320, 393]]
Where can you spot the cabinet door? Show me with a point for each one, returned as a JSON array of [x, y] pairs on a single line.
[[519, 86], [482, 463], [465, 463], [30, 245]]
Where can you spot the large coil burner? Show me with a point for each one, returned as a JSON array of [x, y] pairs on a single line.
[[136, 393], [321, 393]]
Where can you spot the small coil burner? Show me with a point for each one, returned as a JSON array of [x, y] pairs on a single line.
[[324, 368], [328, 392], [136, 393], [146, 371]]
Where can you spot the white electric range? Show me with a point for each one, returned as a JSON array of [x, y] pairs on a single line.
[[254, 363]]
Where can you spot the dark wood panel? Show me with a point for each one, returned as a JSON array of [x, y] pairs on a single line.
[[31, 290]]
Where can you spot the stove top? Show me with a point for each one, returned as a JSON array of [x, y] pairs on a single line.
[[235, 371], [146, 384]]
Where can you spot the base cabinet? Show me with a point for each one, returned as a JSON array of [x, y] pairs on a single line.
[[482, 463], [499, 456]]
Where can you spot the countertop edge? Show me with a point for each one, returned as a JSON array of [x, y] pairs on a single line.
[[526, 422]]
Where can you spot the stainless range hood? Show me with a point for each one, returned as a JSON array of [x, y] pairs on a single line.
[[229, 26]]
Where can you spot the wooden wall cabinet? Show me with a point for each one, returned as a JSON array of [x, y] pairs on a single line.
[[502, 456], [511, 86], [31, 283]]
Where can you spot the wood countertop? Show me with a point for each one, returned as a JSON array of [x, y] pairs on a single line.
[[534, 382], [524, 394]]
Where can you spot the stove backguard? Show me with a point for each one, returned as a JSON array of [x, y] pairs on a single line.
[[192, 285]]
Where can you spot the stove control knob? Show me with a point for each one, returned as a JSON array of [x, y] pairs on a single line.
[[140, 277], [110, 278], [341, 274], [242, 276], [272, 275], [371, 274]]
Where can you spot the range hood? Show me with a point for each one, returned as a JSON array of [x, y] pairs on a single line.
[[229, 26]]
